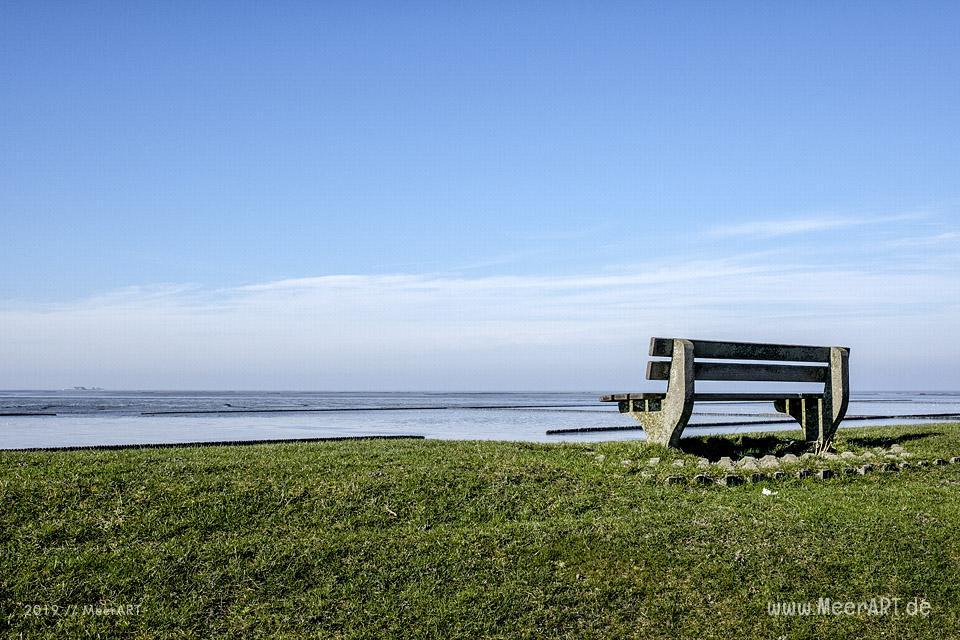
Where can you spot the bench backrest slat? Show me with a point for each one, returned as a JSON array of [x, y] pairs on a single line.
[[663, 347], [660, 370]]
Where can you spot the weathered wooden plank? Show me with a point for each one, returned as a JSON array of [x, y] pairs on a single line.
[[646, 395], [663, 348], [713, 397], [749, 397], [660, 370]]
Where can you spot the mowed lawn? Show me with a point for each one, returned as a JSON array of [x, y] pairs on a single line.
[[413, 538]]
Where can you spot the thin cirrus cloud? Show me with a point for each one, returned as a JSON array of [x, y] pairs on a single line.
[[948, 237], [446, 331], [799, 225]]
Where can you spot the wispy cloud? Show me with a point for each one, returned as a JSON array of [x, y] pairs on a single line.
[[810, 224], [443, 331], [939, 239]]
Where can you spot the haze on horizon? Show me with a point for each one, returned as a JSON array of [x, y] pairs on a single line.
[[490, 197]]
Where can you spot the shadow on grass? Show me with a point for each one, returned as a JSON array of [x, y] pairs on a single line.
[[885, 442], [713, 447]]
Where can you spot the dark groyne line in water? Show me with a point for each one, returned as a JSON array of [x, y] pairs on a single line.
[[20, 415], [216, 443], [912, 416], [916, 416], [229, 411], [336, 409]]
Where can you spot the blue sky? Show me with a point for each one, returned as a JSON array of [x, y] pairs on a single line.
[[495, 196]]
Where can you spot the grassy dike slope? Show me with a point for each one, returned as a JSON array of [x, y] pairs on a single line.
[[468, 539]]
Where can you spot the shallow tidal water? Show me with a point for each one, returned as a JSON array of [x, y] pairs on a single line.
[[87, 418]]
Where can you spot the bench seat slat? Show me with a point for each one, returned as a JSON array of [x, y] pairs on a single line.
[[663, 348], [660, 370], [713, 397], [747, 397], [616, 397]]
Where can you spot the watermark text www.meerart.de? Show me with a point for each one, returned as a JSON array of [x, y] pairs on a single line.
[[879, 606]]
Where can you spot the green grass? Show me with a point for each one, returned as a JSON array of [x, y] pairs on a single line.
[[470, 539]]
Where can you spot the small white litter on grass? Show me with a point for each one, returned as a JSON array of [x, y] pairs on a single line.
[[767, 492]]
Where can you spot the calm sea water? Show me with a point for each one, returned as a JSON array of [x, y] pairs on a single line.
[[118, 417]]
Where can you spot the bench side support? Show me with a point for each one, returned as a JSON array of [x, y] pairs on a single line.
[[836, 394], [819, 416], [664, 424], [808, 411]]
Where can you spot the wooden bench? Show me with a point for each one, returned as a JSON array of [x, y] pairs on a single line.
[[664, 415]]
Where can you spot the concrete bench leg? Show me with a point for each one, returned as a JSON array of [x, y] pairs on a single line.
[[664, 420], [807, 411], [819, 417], [837, 394]]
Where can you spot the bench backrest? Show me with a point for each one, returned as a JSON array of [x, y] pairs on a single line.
[[750, 372], [686, 366]]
